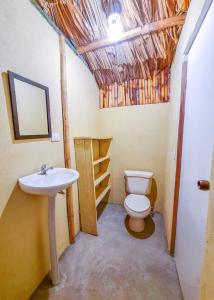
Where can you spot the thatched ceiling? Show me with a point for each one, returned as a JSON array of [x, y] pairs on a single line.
[[85, 21]]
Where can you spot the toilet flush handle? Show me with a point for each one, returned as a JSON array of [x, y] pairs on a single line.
[[203, 185]]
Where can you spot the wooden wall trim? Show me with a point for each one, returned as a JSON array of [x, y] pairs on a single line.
[[179, 154], [67, 150]]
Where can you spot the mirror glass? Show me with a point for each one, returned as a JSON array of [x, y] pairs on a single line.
[[30, 107]]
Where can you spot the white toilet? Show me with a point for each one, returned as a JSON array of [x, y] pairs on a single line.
[[138, 185]]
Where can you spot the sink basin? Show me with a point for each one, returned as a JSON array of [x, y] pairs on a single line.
[[49, 184], [54, 181]]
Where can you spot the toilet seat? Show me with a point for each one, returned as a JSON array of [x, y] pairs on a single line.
[[137, 205]]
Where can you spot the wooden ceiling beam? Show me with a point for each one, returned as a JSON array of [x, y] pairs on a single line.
[[131, 34]]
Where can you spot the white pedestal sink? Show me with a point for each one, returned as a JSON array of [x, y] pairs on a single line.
[[54, 181]]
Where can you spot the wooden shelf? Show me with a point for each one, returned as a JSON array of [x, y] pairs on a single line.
[[93, 138], [100, 159], [100, 177], [93, 164], [101, 192]]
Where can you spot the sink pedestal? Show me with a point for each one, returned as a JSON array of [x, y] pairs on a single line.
[[49, 184], [55, 274]]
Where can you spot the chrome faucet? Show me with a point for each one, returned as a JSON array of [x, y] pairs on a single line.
[[44, 169]]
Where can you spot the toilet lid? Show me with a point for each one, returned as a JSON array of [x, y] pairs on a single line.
[[138, 203]]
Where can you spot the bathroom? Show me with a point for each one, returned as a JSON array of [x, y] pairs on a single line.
[[118, 263]]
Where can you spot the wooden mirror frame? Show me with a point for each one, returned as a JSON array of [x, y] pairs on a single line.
[[17, 134]]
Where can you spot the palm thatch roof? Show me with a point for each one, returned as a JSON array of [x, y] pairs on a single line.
[[85, 22]]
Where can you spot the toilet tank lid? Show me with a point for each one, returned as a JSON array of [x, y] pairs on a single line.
[[130, 173]]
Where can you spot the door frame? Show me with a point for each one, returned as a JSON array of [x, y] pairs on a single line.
[[199, 23]]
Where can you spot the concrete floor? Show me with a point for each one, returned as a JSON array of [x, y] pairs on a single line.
[[115, 265]]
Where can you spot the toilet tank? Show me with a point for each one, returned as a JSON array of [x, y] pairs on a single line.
[[138, 182]]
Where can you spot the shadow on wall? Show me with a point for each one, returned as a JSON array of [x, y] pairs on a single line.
[[6, 86], [24, 244], [154, 193], [102, 205]]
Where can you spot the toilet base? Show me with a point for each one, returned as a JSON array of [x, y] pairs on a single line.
[[136, 224]]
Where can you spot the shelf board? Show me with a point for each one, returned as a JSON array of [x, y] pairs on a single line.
[[101, 193], [100, 159], [100, 176], [93, 138]]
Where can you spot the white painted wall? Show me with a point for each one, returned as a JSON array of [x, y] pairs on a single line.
[[83, 106], [207, 287], [139, 143]]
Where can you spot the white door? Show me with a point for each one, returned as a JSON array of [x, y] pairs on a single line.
[[198, 144]]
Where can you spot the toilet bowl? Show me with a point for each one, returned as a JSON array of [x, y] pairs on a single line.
[[137, 205]]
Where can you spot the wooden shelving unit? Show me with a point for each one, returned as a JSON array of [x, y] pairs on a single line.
[[93, 164], [100, 159]]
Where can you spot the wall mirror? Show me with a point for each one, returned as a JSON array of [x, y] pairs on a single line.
[[30, 108]]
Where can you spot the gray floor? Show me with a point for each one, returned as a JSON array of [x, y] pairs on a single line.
[[115, 265]]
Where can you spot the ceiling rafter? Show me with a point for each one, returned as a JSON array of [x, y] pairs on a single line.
[[136, 32]]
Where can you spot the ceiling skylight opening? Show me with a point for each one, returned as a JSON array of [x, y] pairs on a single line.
[[115, 28]]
